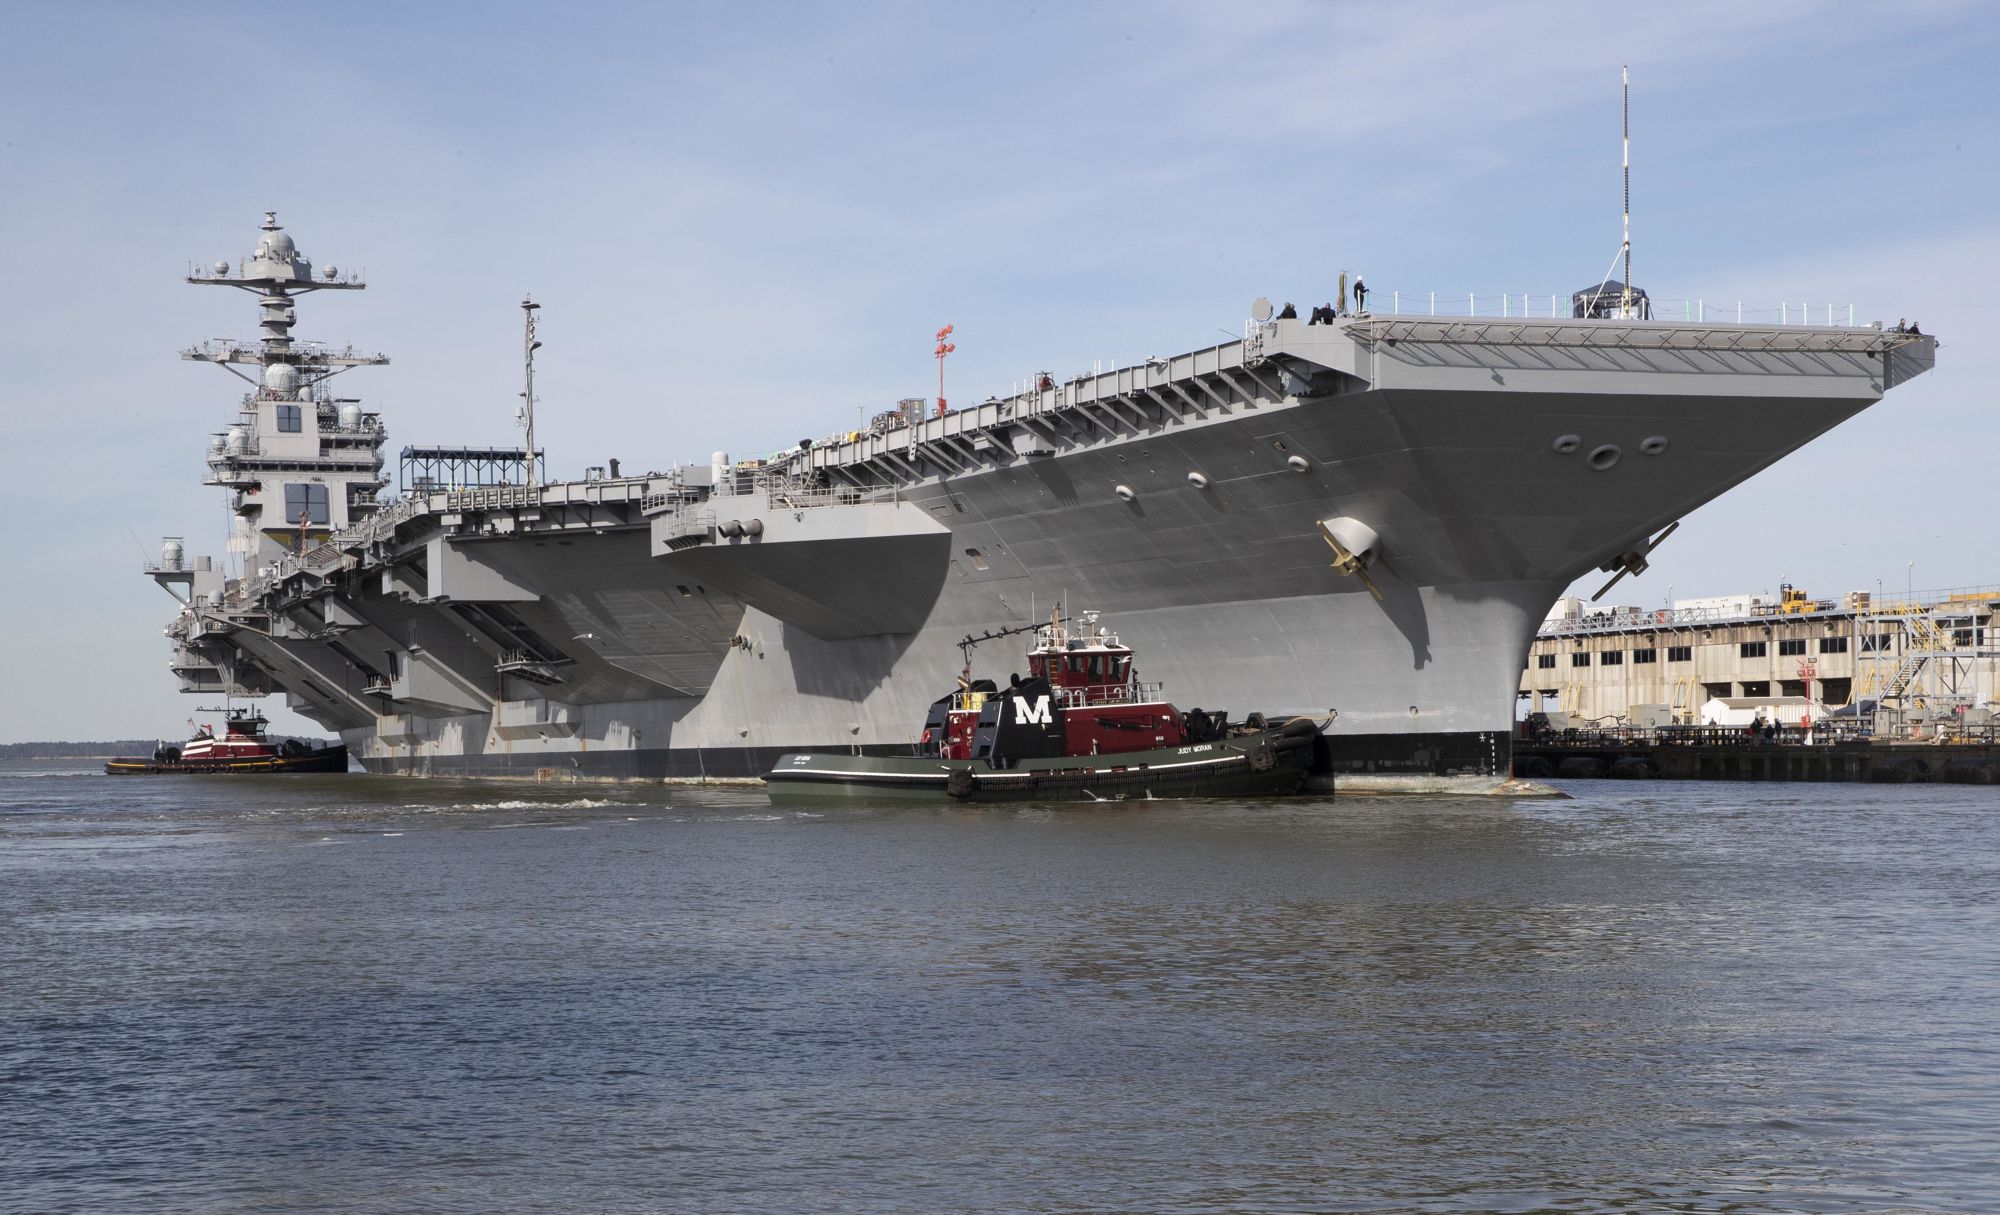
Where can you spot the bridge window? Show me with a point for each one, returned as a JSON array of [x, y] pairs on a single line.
[[307, 501], [288, 419]]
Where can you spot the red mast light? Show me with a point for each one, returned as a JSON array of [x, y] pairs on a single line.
[[944, 347]]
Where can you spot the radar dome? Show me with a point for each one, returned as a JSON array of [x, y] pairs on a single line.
[[282, 380], [170, 555], [276, 256], [216, 445], [221, 267], [350, 417], [331, 273], [238, 440], [277, 245]]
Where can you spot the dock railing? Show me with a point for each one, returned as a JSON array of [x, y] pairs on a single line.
[[1826, 731], [1854, 603]]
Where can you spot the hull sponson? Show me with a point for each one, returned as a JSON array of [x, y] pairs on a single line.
[[1473, 462]]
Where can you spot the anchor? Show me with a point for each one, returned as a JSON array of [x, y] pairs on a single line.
[[1632, 560], [1353, 544]]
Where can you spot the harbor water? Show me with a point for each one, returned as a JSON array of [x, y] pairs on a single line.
[[370, 995]]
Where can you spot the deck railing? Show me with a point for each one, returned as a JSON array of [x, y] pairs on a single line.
[[1530, 306]]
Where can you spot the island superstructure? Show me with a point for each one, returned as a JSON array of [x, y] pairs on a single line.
[[1363, 521]]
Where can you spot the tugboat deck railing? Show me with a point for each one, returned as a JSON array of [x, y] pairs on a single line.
[[1130, 694], [1072, 698]]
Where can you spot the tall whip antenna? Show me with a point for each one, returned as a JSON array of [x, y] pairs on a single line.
[[1625, 122], [528, 347]]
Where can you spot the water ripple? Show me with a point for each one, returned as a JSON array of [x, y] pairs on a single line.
[[366, 995]]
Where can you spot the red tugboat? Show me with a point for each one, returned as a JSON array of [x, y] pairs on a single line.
[[1080, 727], [241, 748]]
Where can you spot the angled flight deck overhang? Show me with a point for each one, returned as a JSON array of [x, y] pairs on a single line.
[[833, 565]]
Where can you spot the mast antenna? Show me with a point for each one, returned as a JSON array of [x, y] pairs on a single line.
[[944, 347], [1625, 125], [528, 347]]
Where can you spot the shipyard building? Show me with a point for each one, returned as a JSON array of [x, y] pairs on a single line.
[[1923, 665]]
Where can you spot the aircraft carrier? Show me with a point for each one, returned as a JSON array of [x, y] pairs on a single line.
[[1364, 520]]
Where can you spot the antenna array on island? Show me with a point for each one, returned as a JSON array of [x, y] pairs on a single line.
[[1625, 131], [528, 347]]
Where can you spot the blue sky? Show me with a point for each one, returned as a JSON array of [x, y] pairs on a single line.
[[745, 222]]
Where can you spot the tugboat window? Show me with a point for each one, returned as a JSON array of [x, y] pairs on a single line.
[[288, 419]]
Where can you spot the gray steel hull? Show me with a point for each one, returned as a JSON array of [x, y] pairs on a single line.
[[1362, 522], [1226, 591]]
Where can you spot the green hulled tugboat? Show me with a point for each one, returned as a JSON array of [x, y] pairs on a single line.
[[1081, 726]]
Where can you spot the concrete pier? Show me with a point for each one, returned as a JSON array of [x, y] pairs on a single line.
[[1651, 759]]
